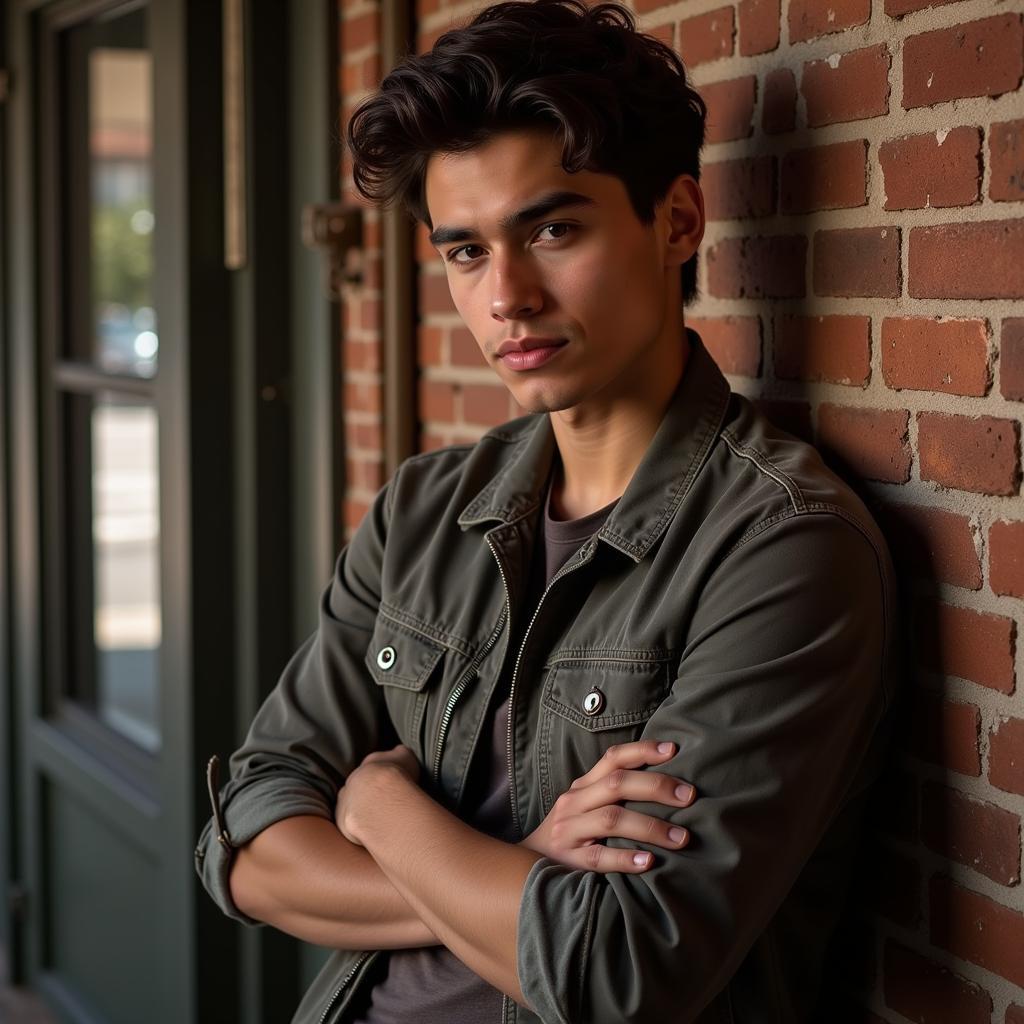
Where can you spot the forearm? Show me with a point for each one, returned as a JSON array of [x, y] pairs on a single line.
[[303, 877]]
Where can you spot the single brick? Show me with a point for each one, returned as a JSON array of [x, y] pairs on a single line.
[[847, 87], [857, 262], [897, 8], [735, 189], [429, 346], [436, 400], [730, 108], [935, 544], [759, 26], [946, 733], [779, 111], [434, 295], [981, 260], [464, 350], [974, 58], [973, 832], [933, 169], [833, 348], [1014, 1014], [873, 443], [962, 642], [825, 177], [733, 341], [809, 19], [706, 37], [923, 990], [1006, 158], [1006, 755], [485, 404], [792, 417], [979, 453], [977, 928], [770, 267], [929, 354], [1011, 359], [361, 396], [1006, 557]]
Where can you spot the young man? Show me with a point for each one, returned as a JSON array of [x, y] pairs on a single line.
[[450, 781]]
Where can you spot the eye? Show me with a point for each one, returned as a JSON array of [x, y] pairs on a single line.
[[469, 262]]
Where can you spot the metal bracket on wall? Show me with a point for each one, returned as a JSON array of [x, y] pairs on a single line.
[[337, 229]]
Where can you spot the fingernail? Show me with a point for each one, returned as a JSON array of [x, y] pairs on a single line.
[[665, 748], [677, 835], [641, 858], [684, 792]]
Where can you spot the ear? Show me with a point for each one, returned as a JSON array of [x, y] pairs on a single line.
[[681, 216]]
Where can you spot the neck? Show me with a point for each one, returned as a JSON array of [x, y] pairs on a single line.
[[601, 442]]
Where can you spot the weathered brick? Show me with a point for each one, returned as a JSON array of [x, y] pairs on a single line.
[[1011, 359], [1006, 755], [897, 8], [429, 345], [1006, 158], [923, 990], [979, 453], [932, 169], [931, 354], [1006, 557], [769, 267], [361, 355], [361, 396], [730, 108], [847, 87], [973, 832], [759, 26], [857, 262], [825, 177], [946, 733], [706, 37], [436, 399], [833, 348], [975, 58], [809, 19], [733, 341], [740, 188], [933, 543], [873, 443], [977, 928], [778, 113], [969, 644], [980, 260]]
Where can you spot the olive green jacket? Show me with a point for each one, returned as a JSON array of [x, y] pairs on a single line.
[[739, 599]]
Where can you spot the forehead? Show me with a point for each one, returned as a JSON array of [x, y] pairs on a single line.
[[483, 187]]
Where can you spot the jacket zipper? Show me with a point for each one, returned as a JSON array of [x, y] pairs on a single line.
[[512, 688], [461, 685], [341, 988], [211, 784]]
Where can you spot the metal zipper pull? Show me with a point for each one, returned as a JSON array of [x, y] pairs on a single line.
[[211, 784]]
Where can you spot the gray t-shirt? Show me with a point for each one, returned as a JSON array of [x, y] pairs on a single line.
[[430, 984]]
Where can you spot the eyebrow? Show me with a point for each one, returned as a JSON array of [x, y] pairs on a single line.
[[545, 204]]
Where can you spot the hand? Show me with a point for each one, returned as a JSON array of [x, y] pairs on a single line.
[[589, 810], [360, 784]]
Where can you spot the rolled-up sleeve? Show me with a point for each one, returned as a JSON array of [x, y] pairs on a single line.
[[779, 691], [323, 716]]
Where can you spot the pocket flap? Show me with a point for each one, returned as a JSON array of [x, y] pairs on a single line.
[[598, 694], [399, 657]]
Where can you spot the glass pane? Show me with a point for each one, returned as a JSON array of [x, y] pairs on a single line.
[[108, 97], [114, 562]]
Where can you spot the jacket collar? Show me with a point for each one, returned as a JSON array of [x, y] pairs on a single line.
[[677, 451]]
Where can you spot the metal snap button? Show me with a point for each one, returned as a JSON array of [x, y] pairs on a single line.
[[386, 657], [593, 702]]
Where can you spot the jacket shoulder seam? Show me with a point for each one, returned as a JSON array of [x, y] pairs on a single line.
[[759, 460]]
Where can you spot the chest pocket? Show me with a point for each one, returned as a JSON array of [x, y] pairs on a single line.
[[588, 704], [405, 665]]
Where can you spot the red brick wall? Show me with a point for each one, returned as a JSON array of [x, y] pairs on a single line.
[[861, 279]]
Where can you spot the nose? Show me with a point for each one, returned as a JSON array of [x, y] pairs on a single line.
[[516, 292]]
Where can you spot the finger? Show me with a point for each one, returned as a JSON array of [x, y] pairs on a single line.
[[625, 755], [629, 784], [618, 821], [605, 859]]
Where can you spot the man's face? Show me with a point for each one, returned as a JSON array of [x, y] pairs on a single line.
[[587, 273]]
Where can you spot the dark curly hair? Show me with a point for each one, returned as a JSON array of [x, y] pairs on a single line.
[[618, 100]]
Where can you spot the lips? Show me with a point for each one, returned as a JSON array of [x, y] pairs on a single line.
[[528, 343]]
